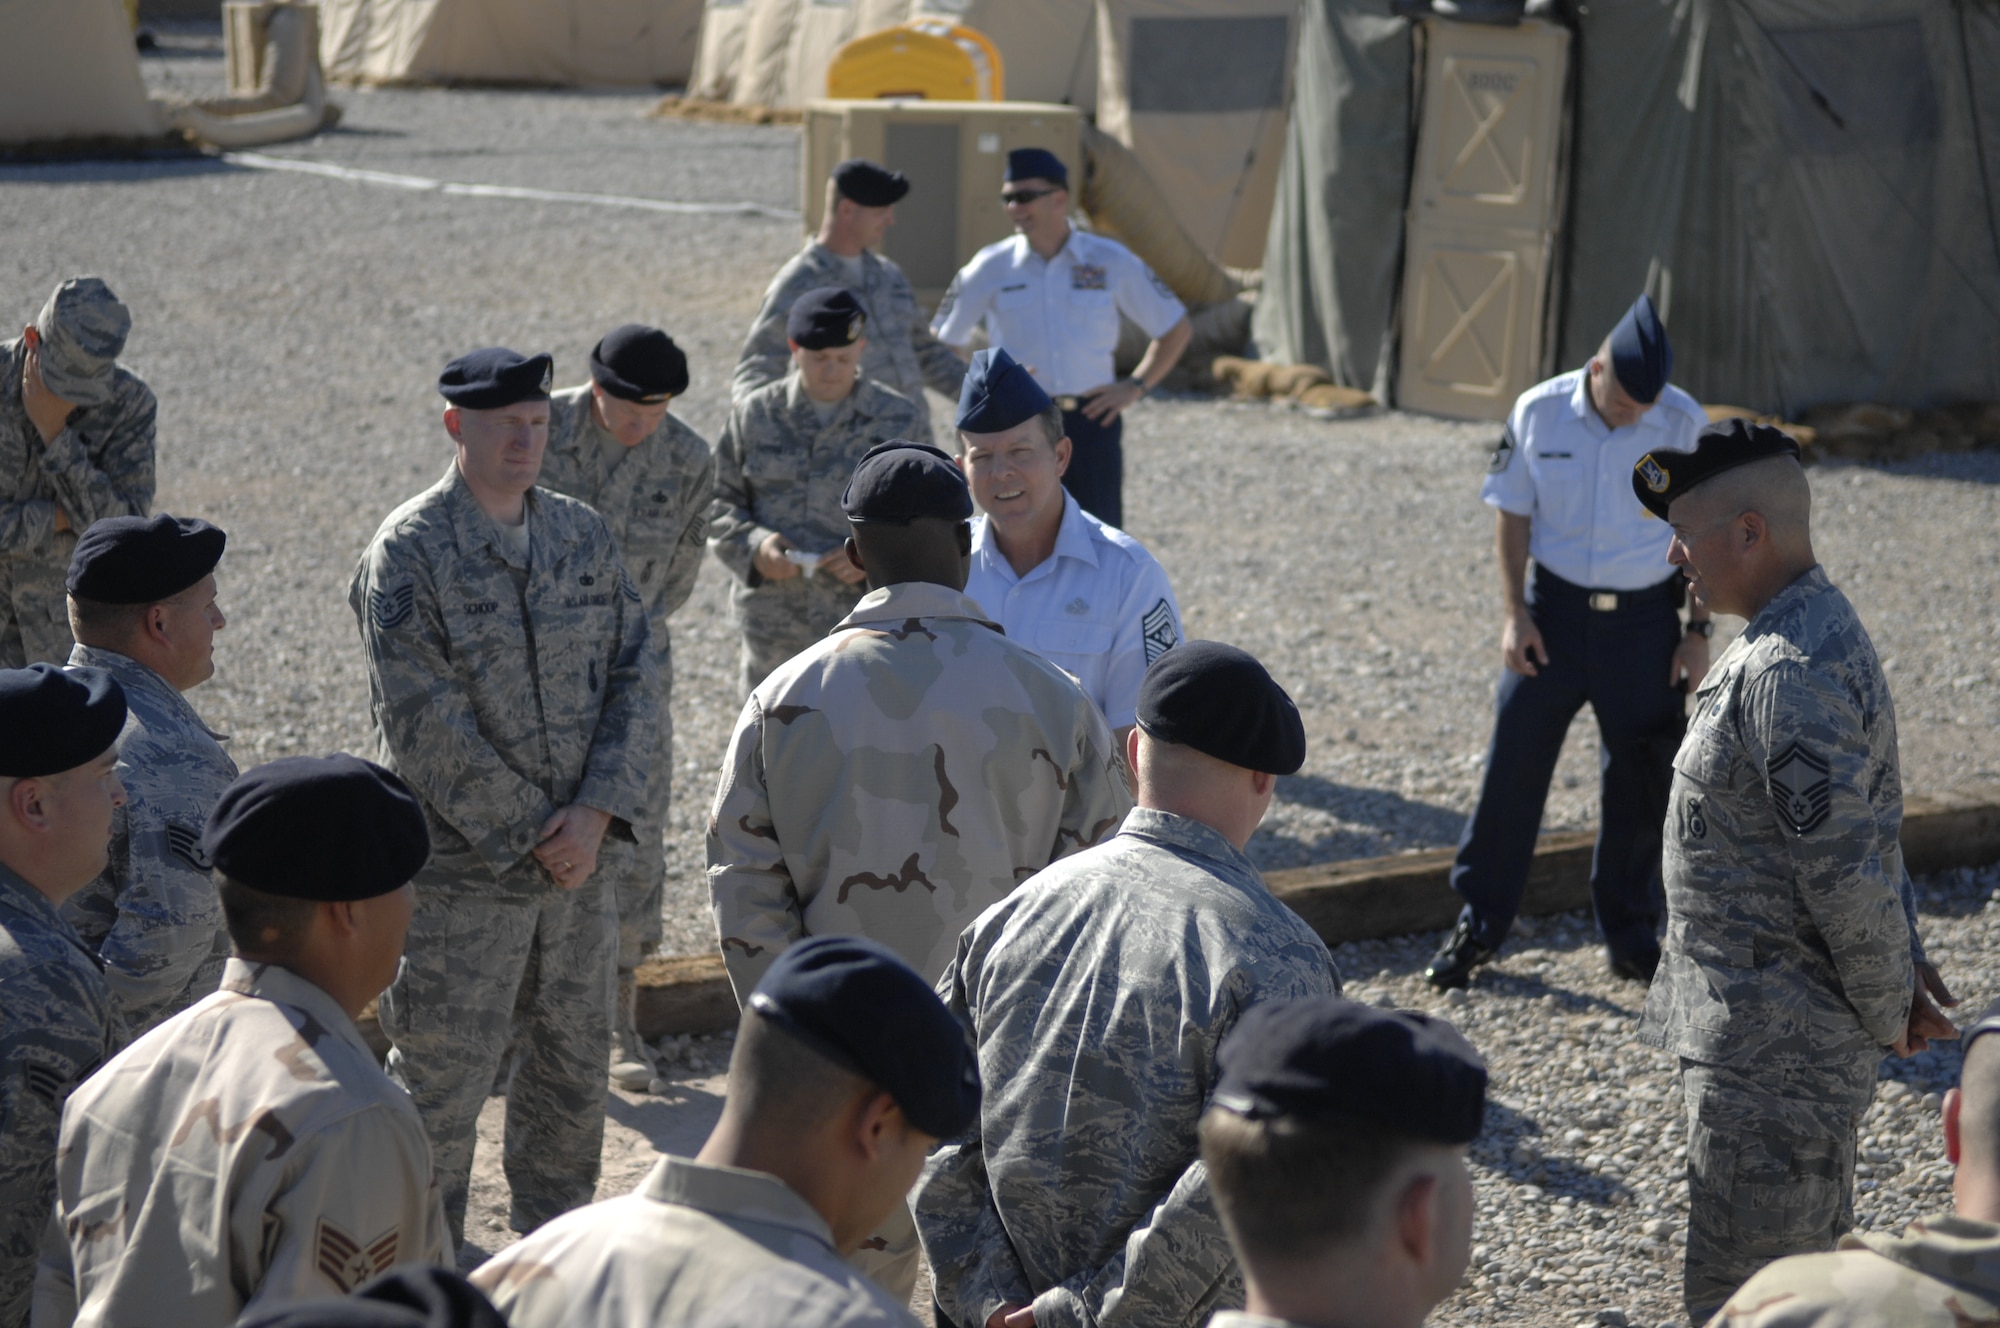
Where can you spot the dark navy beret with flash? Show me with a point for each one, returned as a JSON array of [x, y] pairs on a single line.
[[897, 482], [868, 184], [827, 317], [413, 1296], [1325, 1056], [324, 828], [142, 559], [852, 1000], [1661, 477], [1036, 164], [494, 378], [998, 393], [1221, 701], [1642, 358], [52, 719], [639, 363]]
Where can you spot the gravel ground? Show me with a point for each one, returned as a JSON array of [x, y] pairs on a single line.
[[293, 327]]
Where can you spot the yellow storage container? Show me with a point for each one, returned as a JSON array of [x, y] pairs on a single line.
[[928, 58]]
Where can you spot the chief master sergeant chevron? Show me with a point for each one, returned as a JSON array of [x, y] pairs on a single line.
[[1791, 958], [515, 690]]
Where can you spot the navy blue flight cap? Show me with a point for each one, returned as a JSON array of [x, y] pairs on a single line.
[[998, 393], [1036, 164], [639, 363], [1325, 1056], [1661, 477], [494, 378], [899, 481], [853, 1001], [869, 185], [323, 828], [827, 317], [142, 559], [52, 719], [413, 1296], [1221, 701], [1642, 359]]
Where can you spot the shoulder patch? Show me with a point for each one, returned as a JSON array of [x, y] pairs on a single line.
[[1161, 634], [346, 1262], [45, 1082], [1503, 452], [185, 844], [1801, 788], [948, 301], [1165, 291], [391, 608], [625, 586]]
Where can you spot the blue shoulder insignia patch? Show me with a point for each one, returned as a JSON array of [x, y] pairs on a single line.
[[392, 608], [1161, 634]]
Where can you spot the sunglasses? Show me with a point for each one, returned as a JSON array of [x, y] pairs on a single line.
[[1009, 197]]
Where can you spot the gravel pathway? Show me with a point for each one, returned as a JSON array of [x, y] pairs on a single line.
[[293, 327]]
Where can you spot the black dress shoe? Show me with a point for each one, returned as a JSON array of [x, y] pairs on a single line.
[[1635, 967], [1452, 965]]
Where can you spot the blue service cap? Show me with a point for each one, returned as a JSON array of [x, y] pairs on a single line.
[[324, 828], [1036, 164], [998, 393], [413, 1296], [639, 363], [1325, 1056], [495, 377], [142, 559], [52, 719], [1642, 358], [899, 481], [853, 1001], [1661, 477], [1221, 701], [827, 317]]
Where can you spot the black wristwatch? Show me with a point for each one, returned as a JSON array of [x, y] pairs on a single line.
[[1704, 629]]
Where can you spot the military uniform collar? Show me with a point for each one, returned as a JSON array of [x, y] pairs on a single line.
[[1184, 832], [1954, 1249], [800, 406], [828, 261], [136, 677], [914, 599], [1074, 539], [17, 896], [322, 1016], [475, 528], [1808, 584], [734, 1194]]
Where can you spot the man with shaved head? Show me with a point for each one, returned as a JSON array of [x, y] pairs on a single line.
[[1791, 960], [1942, 1272]]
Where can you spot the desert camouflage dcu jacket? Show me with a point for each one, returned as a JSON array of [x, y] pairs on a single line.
[[897, 778], [1098, 993], [901, 350], [57, 1024], [249, 1151], [1942, 1272], [1791, 922], [153, 917], [503, 691]]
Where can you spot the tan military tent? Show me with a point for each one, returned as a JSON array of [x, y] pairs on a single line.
[[69, 73], [568, 43]]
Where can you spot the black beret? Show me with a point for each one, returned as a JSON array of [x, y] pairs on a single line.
[[324, 828], [142, 559], [827, 317], [898, 482], [413, 1296], [52, 719], [1325, 1056], [1642, 358], [1220, 700], [852, 1000], [639, 363], [1661, 477], [868, 184], [998, 393], [495, 377], [1036, 164]]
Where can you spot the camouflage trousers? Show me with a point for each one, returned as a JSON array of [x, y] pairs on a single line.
[[34, 608], [638, 888], [491, 983], [1770, 1168], [780, 618]]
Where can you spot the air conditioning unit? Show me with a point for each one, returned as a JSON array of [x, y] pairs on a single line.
[[954, 153]]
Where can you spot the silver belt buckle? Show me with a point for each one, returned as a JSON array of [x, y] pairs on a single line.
[[1603, 601]]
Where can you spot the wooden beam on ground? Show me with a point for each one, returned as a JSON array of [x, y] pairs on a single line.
[[1364, 899]]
